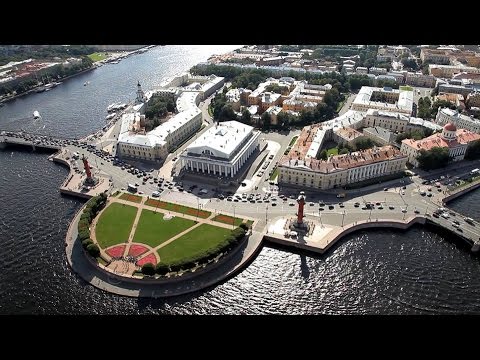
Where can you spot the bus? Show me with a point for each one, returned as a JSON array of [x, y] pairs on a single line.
[[132, 188]]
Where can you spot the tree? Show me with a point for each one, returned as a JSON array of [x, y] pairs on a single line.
[[93, 250], [434, 158], [364, 143], [87, 242], [162, 268], [410, 64], [323, 155], [473, 151], [266, 120], [246, 117], [148, 269]]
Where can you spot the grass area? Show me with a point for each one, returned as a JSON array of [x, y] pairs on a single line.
[[407, 88], [210, 111], [249, 223], [340, 104], [153, 230], [130, 197], [227, 219], [194, 242], [116, 193], [97, 56], [293, 141], [114, 225], [274, 174], [332, 151], [182, 209]]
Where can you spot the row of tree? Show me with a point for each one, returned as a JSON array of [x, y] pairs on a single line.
[[92, 208]]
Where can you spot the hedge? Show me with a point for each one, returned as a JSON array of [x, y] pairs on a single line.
[[93, 250], [148, 269], [93, 206], [87, 242]]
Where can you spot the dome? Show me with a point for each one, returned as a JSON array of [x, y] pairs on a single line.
[[450, 127]]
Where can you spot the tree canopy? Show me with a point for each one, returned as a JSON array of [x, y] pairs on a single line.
[[434, 158]]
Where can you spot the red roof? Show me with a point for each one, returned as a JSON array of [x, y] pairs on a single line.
[[450, 127]]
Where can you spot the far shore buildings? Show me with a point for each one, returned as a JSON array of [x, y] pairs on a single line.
[[155, 145], [456, 140], [222, 150]]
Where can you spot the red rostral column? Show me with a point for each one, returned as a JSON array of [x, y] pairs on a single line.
[[301, 204], [87, 167]]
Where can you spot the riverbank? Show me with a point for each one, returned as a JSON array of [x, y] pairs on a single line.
[[33, 90]]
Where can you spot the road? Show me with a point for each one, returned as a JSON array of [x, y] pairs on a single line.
[[347, 104]]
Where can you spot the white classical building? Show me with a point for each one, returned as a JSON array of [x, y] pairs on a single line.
[[222, 150], [155, 145], [384, 99], [446, 115]]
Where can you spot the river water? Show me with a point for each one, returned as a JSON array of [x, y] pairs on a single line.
[[378, 272]]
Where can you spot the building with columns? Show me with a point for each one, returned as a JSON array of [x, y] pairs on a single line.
[[222, 150], [456, 140]]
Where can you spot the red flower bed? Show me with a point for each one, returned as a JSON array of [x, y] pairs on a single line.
[[137, 250], [147, 259], [116, 251]]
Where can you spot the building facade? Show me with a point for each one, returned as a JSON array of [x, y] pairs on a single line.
[[446, 115], [340, 170], [456, 140], [222, 150]]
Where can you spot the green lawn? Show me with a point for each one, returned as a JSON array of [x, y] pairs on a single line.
[[97, 56], [293, 141], [274, 174], [249, 223], [407, 88], [332, 151], [194, 242], [153, 230], [113, 226]]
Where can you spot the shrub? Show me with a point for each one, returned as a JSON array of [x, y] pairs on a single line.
[[175, 267], [244, 226], [162, 269], [148, 269], [82, 235], [93, 250], [87, 242]]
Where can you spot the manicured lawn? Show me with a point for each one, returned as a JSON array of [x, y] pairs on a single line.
[[227, 219], [97, 56], [114, 225], [178, 208], [293, 140], [274, 174], [407, 88], [332, 151], [194, 242], [153, 230], [130, 197]]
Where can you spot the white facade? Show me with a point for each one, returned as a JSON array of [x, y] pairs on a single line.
[[395, 100], [446, 115], [222, 150]]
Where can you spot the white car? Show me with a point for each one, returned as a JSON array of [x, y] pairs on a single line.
[[445, 215]]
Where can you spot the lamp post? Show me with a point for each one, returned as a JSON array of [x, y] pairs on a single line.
[[198, 206], [343, 217], [266, 218]]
